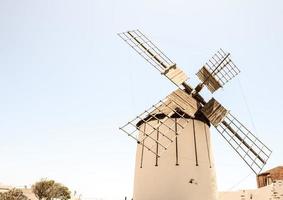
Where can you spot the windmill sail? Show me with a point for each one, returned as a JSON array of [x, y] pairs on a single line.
[[246, 144], [152, 54], [218, 71], [161, 123]]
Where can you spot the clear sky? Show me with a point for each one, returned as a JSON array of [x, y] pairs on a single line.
[[67, 82]]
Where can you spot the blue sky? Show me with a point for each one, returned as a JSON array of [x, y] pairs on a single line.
[[67, 82]]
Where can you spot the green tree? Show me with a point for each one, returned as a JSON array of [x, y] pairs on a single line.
[[13, 194], [50, 190]]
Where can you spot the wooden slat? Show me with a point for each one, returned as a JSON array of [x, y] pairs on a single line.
[[165, 108], [172, 72], [176, 75], [177, 99], [180, 78], [185, 102], [209, 80], [214, 112]]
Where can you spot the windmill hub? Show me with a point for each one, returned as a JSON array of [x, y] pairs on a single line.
[[174, 157]]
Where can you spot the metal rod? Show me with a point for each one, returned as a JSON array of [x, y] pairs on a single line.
[[142, 147], [195, 142], [207, 145], [157, 138], [176, 133]]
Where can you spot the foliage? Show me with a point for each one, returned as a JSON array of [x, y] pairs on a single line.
[[13, 194], [50, 190]]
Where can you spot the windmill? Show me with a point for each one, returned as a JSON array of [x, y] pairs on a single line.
[[179, 124]]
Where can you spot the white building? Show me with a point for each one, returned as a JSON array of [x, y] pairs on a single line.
[[270, 187]]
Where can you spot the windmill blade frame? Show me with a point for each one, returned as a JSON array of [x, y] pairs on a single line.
[[152, 54], [247, 145], [219, 70], [170, 115], [244, 142]]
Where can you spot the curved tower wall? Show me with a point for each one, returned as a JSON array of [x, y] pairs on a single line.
[[185, 171]]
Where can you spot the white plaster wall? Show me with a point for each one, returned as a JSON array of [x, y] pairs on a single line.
[[170, 182], [270, 192]]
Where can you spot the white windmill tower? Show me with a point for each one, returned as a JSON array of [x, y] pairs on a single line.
[[186, 171]]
